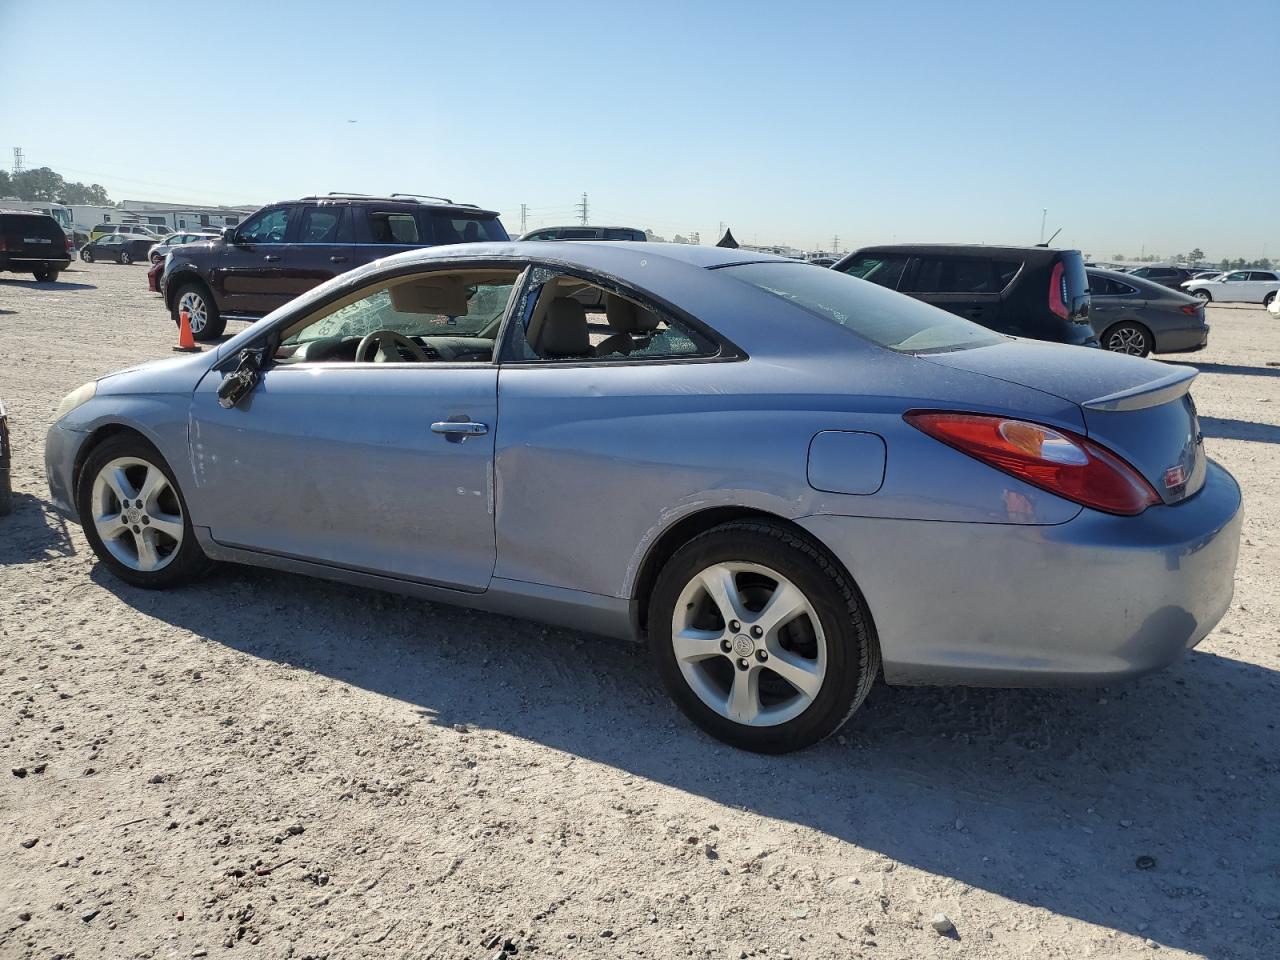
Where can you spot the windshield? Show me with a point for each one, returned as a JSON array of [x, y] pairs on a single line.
[[889, 319]]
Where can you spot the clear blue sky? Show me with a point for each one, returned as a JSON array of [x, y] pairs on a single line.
[[1136, 124]]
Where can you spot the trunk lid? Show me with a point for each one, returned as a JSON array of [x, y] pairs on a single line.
[[1140, 409]]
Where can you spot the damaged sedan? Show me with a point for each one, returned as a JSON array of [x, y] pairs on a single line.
[[786, 481]]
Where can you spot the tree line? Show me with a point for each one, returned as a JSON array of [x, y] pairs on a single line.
[[1197, 256], [46, 184]]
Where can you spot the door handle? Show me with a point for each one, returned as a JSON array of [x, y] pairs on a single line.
[[456, 431], [337, 259], [271, 257]]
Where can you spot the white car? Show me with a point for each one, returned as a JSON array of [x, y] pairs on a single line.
[[1274, 307], [1238, 286]]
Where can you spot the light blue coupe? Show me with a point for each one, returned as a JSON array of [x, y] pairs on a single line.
[[786, 480]]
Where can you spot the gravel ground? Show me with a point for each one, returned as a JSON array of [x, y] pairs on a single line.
[[267, 766]]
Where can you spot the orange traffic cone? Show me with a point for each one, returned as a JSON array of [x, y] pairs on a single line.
[[186, 342]]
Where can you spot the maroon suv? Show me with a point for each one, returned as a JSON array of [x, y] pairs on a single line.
[[287, 248]]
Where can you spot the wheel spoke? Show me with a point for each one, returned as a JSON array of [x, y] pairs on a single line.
[[723, 589], [148, 556], [800, 673], [110, 526], [692, 644], [744, 695], [785, 605], [167, 524], [119, 484], [153, 484]]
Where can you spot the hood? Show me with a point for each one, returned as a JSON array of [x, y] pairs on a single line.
[[164, 375]]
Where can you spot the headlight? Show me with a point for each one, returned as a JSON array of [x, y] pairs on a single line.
[[75, 398]]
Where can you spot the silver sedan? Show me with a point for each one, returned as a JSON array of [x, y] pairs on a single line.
[[784, 480]]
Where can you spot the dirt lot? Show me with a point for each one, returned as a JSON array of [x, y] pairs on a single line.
[[268, 766]]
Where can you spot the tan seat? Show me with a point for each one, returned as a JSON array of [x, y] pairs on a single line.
[[633, 325], [564, 331]]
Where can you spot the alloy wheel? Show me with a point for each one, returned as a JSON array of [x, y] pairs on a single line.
[[1128, 340], [197, 311], [137, 514], [749, 643]]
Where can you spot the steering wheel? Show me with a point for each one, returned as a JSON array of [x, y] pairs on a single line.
[[388, 343]]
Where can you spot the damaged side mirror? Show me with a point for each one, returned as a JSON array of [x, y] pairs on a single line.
[[239, 382]]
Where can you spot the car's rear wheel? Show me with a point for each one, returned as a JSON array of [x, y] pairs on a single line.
[[202, 312], [1204, 295], [46, 274], [135, 517], [1131, 338], [86, 255], [760, 638], [126, 257]]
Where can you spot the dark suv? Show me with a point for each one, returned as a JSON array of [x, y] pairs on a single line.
[[1171, 277], [33, 243], [1031, 292], [287, 248]]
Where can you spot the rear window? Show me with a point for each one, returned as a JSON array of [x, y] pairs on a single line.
[[44, 227], [893, 321], [455, 228]]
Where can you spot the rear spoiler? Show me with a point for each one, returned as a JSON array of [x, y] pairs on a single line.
[[1145, 395]]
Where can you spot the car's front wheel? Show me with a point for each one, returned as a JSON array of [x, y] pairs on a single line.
[[1204, 295], [760, 638], [202, 312], [1130, 338], [135, 517]]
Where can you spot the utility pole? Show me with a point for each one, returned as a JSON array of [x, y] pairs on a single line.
[[835, 243], [582, 210], [1044, 212], [17, 160], [524, 216]]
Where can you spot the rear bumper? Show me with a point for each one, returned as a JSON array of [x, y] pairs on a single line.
[[1095, 599], [1182, 341], [22, 263]]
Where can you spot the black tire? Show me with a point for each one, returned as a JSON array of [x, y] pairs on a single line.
[[186, 563], [1204, 295], [46, 275], [1266, 301], [1129, 338], [126, 257], [214, 323], [86, 255], [853, 652]]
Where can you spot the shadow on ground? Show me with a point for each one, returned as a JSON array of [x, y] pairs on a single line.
[[32, 532], [1239, 430], [1233, 369], [55, 285], [1047, 798]]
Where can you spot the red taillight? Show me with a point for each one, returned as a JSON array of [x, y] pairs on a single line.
[[1190, 309], [3, 246], [1058, 291], [70, 246], [1059, 461]]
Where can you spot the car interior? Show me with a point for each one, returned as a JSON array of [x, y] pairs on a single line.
[[455, 317]]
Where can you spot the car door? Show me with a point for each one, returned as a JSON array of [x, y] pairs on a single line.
[[322, 247], [1261, 283], [382, 467], [961, 285], [249, 276], [109, 247], [1234, 287]]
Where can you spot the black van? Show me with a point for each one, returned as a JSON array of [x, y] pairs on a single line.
[[33, 243], [1030, 292]]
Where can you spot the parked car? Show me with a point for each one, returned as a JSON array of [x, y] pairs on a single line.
[[823, 261], [783, 478], [287, 248], [128, 229], [33, 243], [154, 273], [119, 247], [1204, 275], [1238, 286], [159, 250], [6, 460], [586, 233], [1172, 277], [1139, 317], [1031, 292]]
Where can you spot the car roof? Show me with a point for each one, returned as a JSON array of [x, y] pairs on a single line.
[[963, 248], [404, 199], [589, 226], [604, 255]]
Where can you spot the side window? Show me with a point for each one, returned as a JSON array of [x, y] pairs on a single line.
[[269, 226], [884, 269], [580, 233], [1005, 271], [1098, 286], [327, 224], [563, 317], [387, 227], [623, 234], [1238, 275], [952, 275], [1257, 275], [542, 235]]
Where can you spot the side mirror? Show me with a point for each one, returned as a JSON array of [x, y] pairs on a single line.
[[237, 385], [229, 234]]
